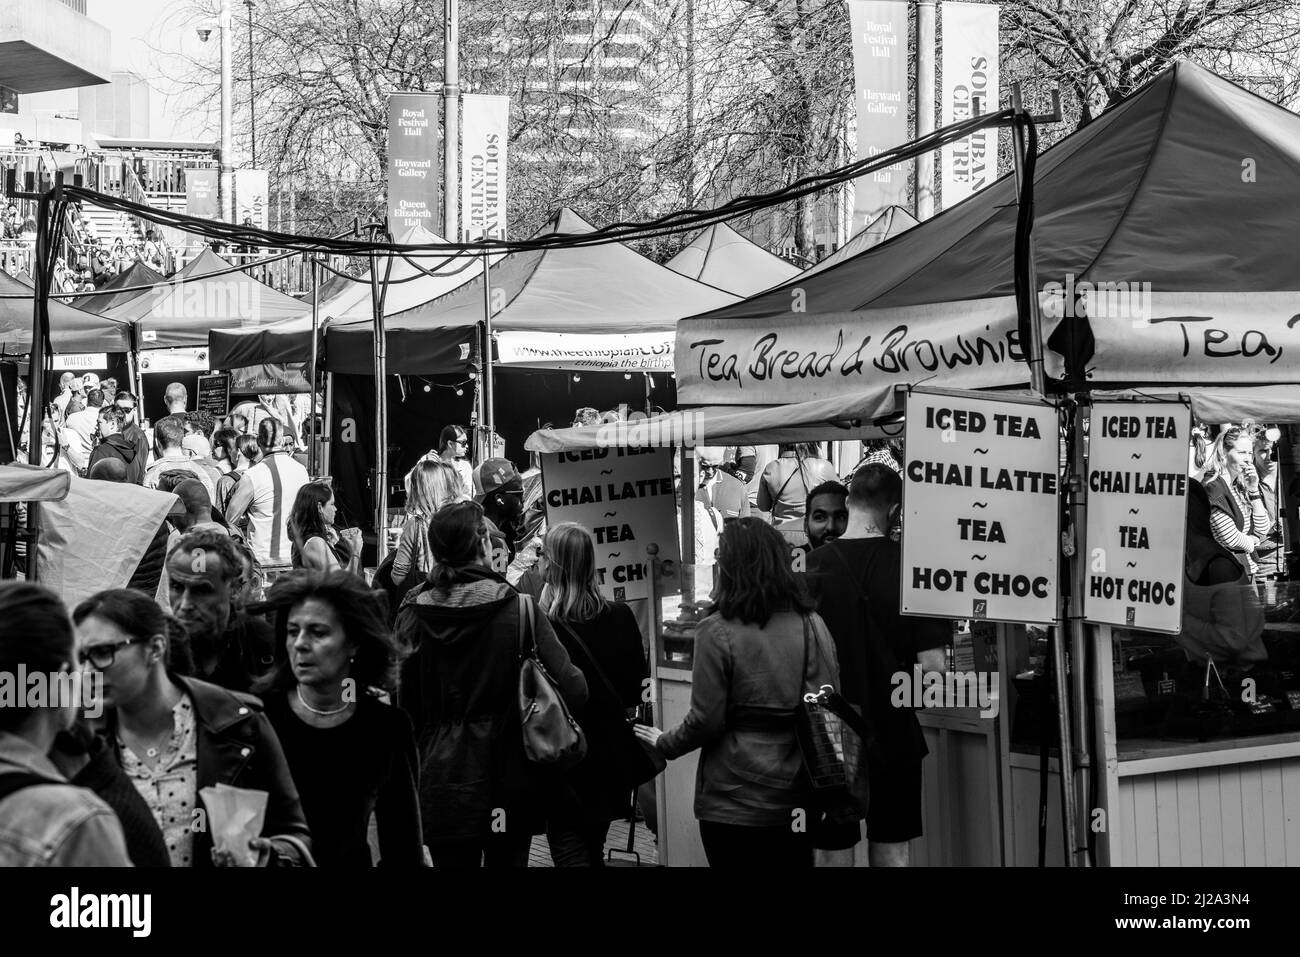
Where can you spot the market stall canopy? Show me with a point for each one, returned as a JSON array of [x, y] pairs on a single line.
[[606, 289], [1161, 189], [71, 329], [31, 483], [138, 274], [723, 258], [860, 415], [1273, 404], [887, 225], [586, 308], [412, 281], [182, 313]]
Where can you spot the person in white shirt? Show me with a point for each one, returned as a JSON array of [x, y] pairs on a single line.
[[66, 382], [453, 444], [79, 430], [168, 434], [265, 496]]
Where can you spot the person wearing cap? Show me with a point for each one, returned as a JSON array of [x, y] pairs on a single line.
[[501, 493], [78, 431]]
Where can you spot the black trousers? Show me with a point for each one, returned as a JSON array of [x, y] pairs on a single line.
[[498, 850], [763, 848]]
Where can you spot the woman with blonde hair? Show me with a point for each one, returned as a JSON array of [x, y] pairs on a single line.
[[429, 486], [1238, 513], [603, 640]]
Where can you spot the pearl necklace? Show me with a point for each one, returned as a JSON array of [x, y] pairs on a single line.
[[304, 703]]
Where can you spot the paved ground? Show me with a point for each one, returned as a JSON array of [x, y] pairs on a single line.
[[643, 843]]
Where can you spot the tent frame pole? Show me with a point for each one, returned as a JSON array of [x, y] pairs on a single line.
[[489, 411], [313, 374]]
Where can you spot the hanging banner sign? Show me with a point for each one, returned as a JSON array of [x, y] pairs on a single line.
[[1137, 514], [646, 352], [624, 497], [270, 379], [880, 89], [1209, 338], [484, 130], [175, 360], [86, 361], [972, 344], [413, 161], [201, 192], [252, 196], [970, 88], [981, 498]]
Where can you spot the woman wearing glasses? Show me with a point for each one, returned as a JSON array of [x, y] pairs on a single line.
[[453, 448], [175, 736]]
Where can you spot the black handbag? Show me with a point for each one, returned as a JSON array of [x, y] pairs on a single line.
[[833, 740], [633, 764]]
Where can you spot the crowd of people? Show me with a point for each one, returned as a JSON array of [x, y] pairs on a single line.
[[91, 262]]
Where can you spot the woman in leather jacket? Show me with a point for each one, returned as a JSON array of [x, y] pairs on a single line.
[[175, 736]]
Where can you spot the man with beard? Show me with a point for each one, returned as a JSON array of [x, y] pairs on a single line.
[[229, 648], [826, 514], [502, 498], [131, 431]]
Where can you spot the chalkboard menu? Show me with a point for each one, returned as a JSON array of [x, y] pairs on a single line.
[[214, 394]]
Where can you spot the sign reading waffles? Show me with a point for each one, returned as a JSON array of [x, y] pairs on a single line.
[[625, 498]]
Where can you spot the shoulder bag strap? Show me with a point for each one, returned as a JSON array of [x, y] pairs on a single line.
[[600, 672], [527, 643], [803, 672]]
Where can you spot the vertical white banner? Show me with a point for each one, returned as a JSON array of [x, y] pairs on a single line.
[[484, 129], [252, 192], [970, 77], [880, 91]]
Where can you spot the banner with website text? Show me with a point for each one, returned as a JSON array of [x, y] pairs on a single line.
[[970, 88], [484, 131], [413, 161], [880, 90], [646, 352]]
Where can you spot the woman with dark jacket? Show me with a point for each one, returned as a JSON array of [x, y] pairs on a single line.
[[351, 754], [604, 641], [754, 657], [480, 798], [175, 736]]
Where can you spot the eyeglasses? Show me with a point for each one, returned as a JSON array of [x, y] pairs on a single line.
[[103, 656]]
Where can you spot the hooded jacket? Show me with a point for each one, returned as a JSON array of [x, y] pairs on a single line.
[[460, 687], [120, 446]]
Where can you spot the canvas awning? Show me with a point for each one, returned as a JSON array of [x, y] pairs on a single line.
[[724, 259], [71, 329]]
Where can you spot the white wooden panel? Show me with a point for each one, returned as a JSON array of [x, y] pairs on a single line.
[[1189, 818], [1273, 819], [1291, 811], [1234, 828], [1235, 815], [1211, 823], [1168, 846], [679, 832], [1145, 825], [1252, 815]]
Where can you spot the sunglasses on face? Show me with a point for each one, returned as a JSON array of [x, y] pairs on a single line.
[[103, 656]]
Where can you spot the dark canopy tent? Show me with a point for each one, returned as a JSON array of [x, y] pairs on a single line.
[[1159, 189], [138, 274], [183, 313], [71, 329]]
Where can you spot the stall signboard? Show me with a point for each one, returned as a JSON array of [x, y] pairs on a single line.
[[272, 378], [1137, 514], [624, 497], [214, 394], [89, 361], [981, 500]]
